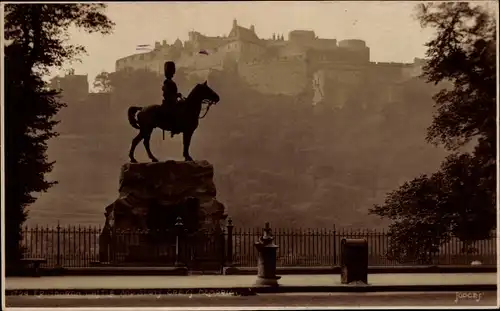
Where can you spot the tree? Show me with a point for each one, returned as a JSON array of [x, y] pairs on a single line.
[[37, 36], [102, 82], [460, 199]]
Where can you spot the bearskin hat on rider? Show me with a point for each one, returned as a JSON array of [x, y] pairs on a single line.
[[169, 68]]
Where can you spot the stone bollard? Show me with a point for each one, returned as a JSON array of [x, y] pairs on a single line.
[[354, 261], [266, 269]]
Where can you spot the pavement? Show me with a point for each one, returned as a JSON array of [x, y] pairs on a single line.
[[232, 281], [293, 301], [461, 289]]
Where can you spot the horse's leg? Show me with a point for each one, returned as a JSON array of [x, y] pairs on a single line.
[[135, 142], [186, 139], [147, 137]]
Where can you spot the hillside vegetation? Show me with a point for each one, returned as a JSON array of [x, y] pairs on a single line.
[[276, 158]]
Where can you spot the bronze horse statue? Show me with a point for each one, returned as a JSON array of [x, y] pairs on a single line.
[[183, 118]]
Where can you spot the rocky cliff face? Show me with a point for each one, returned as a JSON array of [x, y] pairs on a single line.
[[153, 195]]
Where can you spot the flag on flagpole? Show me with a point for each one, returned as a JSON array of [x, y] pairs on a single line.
[[143, 47]]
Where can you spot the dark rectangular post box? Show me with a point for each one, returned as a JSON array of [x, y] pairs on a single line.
[[354, 261]]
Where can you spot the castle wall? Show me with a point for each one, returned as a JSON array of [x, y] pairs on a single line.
[[148, 61], [251, 51], [386, 72], [369, 84], [211, 44], [152, 60], [335, 84], [411, 71], [308, 39], [339, 72], [277, 76], [201, 61], [199, 41], [345, 55], [292, 50], [73, 87], [323, 44], [345, 75], [318, 86]]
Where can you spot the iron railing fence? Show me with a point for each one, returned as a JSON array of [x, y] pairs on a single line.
[[321, 247], [77, 246]]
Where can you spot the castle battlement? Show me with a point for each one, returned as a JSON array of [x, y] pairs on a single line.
[[275, 65], [243, 45], [392, 64]]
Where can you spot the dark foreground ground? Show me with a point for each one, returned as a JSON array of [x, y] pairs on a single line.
[[392, 299]]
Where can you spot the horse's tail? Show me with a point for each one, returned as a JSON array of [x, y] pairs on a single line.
[[131, 116]]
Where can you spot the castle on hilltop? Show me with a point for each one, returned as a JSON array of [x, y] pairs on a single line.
[[276, 65]]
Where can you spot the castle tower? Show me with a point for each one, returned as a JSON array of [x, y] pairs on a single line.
[[178, 44], [235, 23], [252, 28]]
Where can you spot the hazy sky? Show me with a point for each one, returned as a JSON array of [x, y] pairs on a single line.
[[389, 28]]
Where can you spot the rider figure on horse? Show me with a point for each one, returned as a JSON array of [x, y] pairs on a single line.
[[170, 95]]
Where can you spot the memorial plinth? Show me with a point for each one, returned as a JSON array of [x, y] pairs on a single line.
[[140, 224]]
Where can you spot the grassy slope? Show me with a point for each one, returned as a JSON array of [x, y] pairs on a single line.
[[275, 159]]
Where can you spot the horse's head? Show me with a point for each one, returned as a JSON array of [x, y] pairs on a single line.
[[206, 94]]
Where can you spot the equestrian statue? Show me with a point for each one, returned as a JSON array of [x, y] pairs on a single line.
[[176, 114]]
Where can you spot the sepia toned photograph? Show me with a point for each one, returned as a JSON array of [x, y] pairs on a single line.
[[253, 154]]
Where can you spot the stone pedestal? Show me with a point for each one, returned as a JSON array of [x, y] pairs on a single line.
[[152, 196], [354, 261], [266, 269]]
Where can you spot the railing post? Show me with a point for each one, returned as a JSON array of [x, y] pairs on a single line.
[[229, 243], [34, 233], [104, 244], [179, 241], [113, 245], [334, 246], [58, 258]]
